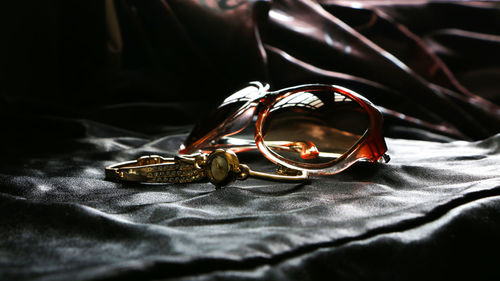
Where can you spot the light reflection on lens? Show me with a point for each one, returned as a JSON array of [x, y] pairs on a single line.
[[314, 127], [222, 115]]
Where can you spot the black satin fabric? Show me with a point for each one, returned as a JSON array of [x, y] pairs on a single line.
[[91, 83]]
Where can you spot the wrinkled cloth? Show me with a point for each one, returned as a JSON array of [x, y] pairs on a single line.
[[90, 83], [61, 220]]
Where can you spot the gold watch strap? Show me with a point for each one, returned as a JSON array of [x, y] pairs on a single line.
[[220, 167], [155, 169]]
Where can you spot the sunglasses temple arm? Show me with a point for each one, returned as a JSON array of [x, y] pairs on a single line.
[[306, 149], [300, 177]]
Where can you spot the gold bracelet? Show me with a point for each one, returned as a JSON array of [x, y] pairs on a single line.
[[220, 167]]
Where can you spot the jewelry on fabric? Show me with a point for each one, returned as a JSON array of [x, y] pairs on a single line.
[[220, 167], [312, 129]]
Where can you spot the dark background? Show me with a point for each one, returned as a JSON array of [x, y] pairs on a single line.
[[88, 83]]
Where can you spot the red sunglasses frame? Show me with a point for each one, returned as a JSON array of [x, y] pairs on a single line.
[[370, 147]]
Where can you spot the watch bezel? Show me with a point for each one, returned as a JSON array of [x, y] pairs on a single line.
[[232, 164]]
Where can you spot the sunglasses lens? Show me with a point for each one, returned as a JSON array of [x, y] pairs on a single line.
[[314, 127], [224, 119]]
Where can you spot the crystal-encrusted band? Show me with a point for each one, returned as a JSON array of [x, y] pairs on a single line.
[[156, 169]]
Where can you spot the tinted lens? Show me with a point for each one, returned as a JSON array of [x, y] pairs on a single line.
[[223, 115], [314, 127]]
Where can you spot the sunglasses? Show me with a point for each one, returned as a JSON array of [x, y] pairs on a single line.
[[322, 129], [310, 129]]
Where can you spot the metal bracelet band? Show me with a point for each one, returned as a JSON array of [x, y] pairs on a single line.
[[220, 167], [155, 169]]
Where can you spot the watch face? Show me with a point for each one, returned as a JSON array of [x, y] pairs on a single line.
[[221, 167]]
